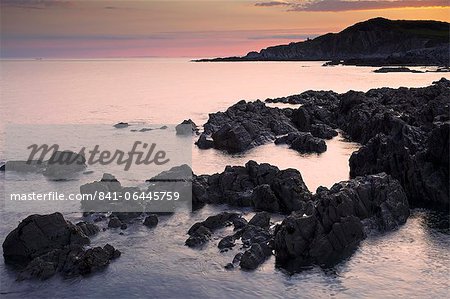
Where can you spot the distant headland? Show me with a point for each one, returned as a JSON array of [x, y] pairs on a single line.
[[374, 42]]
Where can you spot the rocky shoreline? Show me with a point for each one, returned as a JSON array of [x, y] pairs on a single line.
[[403, 163]]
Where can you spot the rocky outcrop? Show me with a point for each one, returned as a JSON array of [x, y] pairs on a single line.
[[376, 41], [402, 132], [38, 234], [334, 226], [43, 245], [245, 125], [262, 186], [303, 142], [256, 237], [186, 127], [200, 232], [422, 170]]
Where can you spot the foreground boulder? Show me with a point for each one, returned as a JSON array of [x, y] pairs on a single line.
[[262, 186], [39, 234], [337, 222], [45, 244]]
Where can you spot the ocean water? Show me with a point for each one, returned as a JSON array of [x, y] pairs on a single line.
[[410, 262]]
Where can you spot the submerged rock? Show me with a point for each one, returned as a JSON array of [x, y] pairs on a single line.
[[121, 125], [63, 165]]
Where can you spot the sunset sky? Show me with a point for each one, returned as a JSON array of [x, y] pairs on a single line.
[[90, 29]]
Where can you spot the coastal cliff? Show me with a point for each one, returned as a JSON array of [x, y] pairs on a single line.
[[373, 42]]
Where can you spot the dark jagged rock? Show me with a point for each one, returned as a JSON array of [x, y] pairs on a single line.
[[303, 142], [424, 173], [249, 185], [204, 143], [396, 70], [70, 261], [251, 234], [38, 234], [245, 125], [264, 199], [121, 125], [227, 242], [89, 229], [394, 126], [215, 222], [255, 256], [200, 232], [114, 222], [256, 235], [333, 229], [198, 236], [43, 245], [261, 219], [323, 131], [239, 223], [187, 127], [309, 96], [151, 220]]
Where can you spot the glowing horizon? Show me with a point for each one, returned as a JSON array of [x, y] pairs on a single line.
[[209, 28]]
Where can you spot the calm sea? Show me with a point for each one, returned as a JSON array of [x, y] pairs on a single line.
[[411, 262]]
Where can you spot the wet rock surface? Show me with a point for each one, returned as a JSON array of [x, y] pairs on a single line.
[[303, 142], [337, 223], [263, 186], [255, 236], [245, 125], [403, 132], [43, 245], [151, 220]]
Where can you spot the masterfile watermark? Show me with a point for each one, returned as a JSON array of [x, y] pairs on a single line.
[[141, 153], [97, 168]]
